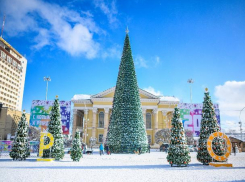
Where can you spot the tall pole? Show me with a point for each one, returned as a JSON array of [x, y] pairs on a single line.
[[47, 91], [47, 79], [190, 81], [241, 121]]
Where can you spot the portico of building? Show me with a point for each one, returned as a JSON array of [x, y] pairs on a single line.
[[91, 114]]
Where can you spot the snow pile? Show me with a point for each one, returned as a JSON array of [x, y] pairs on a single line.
[[80, 97], [168, 98]]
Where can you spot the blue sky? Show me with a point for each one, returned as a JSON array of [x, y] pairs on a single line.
[[78, 44]]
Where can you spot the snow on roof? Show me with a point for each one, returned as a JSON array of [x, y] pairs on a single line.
[[80, 96], [168, 98]]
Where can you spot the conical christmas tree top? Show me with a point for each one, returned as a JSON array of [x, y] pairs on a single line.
[[20, 148], [209, 125], [178, 153], [126, 132]]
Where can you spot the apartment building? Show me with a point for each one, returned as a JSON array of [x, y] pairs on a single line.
[[12, 76]]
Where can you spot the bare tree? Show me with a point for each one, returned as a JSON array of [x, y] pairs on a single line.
[[163, 136], [67, 141], [34, 133], [189, 137], [92, 142]]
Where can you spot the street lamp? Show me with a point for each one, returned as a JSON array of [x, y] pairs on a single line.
[[240, 122], [47, 79], [190, 81]]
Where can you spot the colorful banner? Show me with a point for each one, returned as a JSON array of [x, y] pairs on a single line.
[[41, 109], [191, 115], [5, 145]]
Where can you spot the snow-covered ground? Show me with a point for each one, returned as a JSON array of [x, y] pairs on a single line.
[[119, 167]]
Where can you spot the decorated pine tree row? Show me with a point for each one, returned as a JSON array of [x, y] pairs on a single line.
[[76, 150], [126, 131], [178, 153], [20, 147], [55, 128], [209, 125]]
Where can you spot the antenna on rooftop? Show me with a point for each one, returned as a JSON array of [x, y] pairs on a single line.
[[3, 26]]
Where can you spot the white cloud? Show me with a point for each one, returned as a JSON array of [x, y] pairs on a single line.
[[109, 9], [231, 100], [157, 60], [113, 52], [153, 91], [53, 24], [230, 125], [159, 93], [140, 62]]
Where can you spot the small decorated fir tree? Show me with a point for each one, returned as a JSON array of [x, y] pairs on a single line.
[[20, 147], [76, 151], [178, 153], [209, 125], [55, 128]]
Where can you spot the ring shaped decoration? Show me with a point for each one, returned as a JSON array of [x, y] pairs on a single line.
[[210, 149], [42, 145]]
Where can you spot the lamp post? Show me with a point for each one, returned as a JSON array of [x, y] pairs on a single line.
[[47, 79], [240, 122], [190, 81]]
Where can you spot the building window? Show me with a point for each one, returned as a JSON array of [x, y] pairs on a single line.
[[149, 139], [100, 138], [9, 59], [148, 120], [3, 55], [14, 63], [101, 120]]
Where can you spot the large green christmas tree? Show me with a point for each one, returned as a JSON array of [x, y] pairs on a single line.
[[209, 125], [20, 147], [126, 131], [55, 128], [76, 150], [178, 153]]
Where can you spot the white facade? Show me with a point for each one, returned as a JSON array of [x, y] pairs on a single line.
[[12, 76]]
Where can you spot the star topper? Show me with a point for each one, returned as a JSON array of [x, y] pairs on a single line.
[[127, 31], [206, 89]]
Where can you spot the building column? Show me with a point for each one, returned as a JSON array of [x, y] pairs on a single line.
[[74, 125], [144, 115], [155, 111], [169, 118], [106, 122], [164, 117], [94, 122], [85, 125]]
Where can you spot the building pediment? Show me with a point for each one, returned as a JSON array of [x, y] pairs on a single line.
[[107, 96], [109, 93]]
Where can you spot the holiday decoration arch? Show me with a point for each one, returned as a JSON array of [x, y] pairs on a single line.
[[210, 150]]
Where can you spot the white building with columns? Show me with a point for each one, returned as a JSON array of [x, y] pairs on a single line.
[[91, 113]]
